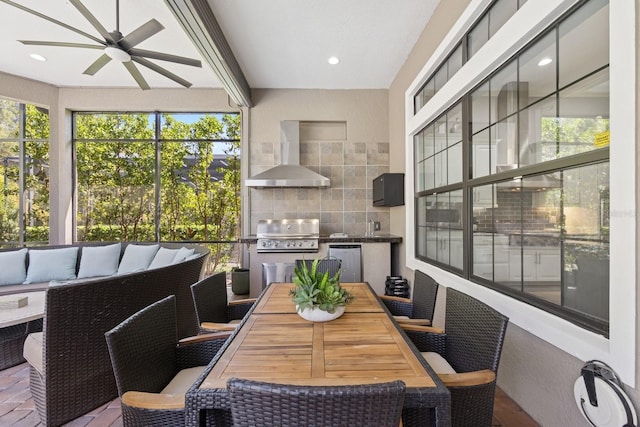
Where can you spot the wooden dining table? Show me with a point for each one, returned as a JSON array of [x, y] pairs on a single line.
[[363, 346]]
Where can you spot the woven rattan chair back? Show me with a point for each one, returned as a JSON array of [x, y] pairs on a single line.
[[210, 298], [425, 292], [332, 265], [256, 403], [142, 348], [475, 333]]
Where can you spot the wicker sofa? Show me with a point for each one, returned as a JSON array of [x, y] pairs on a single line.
[[75, 375]]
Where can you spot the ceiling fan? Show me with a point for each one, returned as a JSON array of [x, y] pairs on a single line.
[[116, 46]]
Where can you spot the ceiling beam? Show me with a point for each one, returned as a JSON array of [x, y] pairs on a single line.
[[198, 21]]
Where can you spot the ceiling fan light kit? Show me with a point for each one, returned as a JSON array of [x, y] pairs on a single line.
[[115, 46], [117, 54]]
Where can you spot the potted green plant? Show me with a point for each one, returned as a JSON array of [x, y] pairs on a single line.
[[318, 296]]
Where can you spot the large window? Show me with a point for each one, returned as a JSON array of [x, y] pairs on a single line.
[[158, 177], [438, 151], [24, 165], [535, 200], [496, 15]]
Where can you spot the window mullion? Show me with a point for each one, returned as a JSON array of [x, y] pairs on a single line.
[[21, 175], [157, 174]]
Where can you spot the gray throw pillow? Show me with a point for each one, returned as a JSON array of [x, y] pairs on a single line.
[[51, 264], [163, 258], [99, 260], [13, 269], [137, 258]]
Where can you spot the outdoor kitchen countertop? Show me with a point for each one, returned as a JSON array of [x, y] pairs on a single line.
[[350, 238]]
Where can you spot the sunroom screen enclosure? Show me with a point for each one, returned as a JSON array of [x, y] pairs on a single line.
[[158, 177]]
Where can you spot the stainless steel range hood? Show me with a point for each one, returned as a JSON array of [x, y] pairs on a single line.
[[289, 173], [541, 182]]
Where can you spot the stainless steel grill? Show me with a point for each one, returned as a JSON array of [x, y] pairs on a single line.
[[288, 235]]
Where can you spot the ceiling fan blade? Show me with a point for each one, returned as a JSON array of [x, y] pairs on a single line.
[[140, 34], [93, 21], [158, 69], [55, 21], [135, 73], [60, 44], [97, 65], [164, 57]]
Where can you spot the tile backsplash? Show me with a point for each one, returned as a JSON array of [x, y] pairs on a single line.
[[346, 205]]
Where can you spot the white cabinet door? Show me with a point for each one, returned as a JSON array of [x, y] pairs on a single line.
[[443, 249], [541, 264], [433, 244], [530, 268], [456, 249], [549, 265], [491, 257], [517, 271], [483, 196], [482, 155], [501, 263]]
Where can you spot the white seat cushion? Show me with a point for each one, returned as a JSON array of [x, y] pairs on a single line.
[[438, 363], [183, 380], [401, 317], [32, 350]]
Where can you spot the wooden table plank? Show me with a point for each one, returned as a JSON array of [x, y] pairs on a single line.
[[357, 348]]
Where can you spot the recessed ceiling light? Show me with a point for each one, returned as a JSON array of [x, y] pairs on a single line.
[[333, 60], [38, 57], [545, 61]]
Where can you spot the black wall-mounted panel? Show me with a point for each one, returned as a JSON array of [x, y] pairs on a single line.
[[388, 190]]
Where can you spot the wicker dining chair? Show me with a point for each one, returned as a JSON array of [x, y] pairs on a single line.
[[418, 310], [332, 265], [465, 355], [255, 403], [153, 370], [213, 310]]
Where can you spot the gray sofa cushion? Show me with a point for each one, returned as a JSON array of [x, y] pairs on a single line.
[[13, 268], [51, 264], [137, 258], [99, 260]]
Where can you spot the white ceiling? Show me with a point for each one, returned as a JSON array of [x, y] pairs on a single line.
[[278, 43]]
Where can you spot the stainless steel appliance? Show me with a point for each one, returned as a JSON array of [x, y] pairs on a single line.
[[288, 235], [290, 173], [351, 264]]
